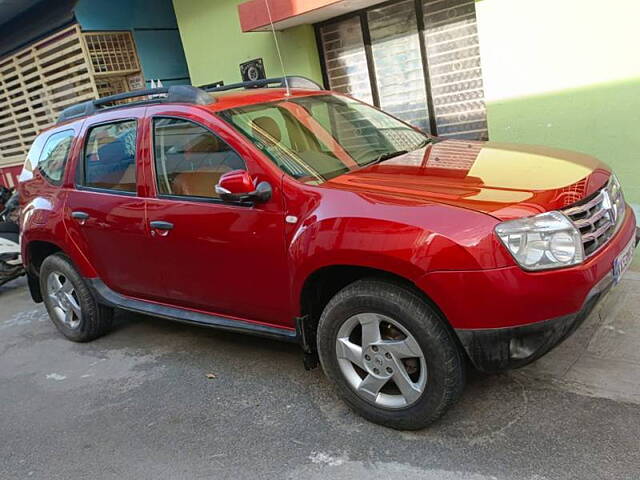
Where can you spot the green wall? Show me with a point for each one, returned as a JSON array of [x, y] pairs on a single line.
[[565, 73], [602, 120], [215, 45]]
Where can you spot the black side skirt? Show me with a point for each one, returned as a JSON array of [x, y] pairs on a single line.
[[110, 298]]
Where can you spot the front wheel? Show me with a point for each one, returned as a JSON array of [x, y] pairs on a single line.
[[69, 302], [390, 354]]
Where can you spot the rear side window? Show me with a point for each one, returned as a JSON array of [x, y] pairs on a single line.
[[110, 157], [53, 157]]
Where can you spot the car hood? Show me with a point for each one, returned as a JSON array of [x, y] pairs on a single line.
[[503, 180]]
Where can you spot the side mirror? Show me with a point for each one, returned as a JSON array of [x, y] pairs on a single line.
[[237, 186]]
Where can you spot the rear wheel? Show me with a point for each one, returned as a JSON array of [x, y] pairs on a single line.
[[392, 357], [69, 302]]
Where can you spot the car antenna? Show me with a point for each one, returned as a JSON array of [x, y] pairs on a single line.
[[275, 39]]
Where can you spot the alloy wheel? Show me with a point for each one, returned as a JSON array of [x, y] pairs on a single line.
[[64, 300], [381, 360]]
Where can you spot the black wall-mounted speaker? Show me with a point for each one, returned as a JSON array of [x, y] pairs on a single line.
[[252, 70]]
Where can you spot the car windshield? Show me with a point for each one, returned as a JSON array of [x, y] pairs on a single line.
[[316, 138]]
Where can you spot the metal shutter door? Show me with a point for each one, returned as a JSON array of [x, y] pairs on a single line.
[[455, 72], [395, 46], [345, 59]]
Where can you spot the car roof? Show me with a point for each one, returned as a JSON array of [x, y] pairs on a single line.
[[219, 101], [240, 98]]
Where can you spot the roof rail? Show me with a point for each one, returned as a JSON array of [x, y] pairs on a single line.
[[173, 94], [278, 82]]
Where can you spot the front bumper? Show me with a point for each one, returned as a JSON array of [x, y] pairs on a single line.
[[497, 349], [506, 318]]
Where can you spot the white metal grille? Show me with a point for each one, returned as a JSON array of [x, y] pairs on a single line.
[[39, 81], [36, 83], [112, 53]]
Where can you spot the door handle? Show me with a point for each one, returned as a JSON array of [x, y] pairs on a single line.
[[82, 217], [161, 225]]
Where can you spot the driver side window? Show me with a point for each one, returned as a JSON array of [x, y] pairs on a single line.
[[189, 159]]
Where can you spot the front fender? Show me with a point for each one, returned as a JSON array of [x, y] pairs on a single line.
[[357, 242], [339, 227], [406, 250]]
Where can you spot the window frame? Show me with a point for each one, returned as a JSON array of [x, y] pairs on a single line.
[[81, 179], [187, 198], [66, 159]]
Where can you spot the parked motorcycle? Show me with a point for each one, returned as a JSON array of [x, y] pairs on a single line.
[[5, 195], [10, 259]]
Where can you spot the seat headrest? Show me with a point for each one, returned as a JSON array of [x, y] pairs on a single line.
[[266, 126], [198, 183], [114, 151], [204, 144]]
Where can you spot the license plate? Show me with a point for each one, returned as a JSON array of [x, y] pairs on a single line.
[[622, 261]]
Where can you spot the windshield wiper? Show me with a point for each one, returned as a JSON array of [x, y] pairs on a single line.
[[386, 156], [424, 143]]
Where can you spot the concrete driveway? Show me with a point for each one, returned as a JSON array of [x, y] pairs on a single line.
[[138, 403]]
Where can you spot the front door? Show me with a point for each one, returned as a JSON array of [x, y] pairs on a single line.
[[104, 214], [215, 257]]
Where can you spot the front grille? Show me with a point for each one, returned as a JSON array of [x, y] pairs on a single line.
[[598, 217]]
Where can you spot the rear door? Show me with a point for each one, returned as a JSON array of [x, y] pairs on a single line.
[[105, 214]]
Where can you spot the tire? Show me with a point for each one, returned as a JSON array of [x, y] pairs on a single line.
[[88, 319], [412, 327]]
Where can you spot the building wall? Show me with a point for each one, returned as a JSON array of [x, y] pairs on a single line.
[[155, 31], [215, 45], [558, 73], [565, 74]]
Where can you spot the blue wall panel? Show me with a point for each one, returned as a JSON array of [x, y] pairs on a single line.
[[158, 53], [127, 14], [155, 30]]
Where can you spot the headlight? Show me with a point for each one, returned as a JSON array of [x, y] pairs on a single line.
[[548, 240], [617, 198]]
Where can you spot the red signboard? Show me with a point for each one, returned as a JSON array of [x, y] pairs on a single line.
[[255, 16], [9, 175]]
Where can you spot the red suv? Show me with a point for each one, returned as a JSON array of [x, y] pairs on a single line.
[[303, 215]]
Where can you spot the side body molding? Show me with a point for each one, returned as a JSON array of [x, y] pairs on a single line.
[[113, 299]]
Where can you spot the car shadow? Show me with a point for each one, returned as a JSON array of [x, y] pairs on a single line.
[[13, 285], [125, 320]]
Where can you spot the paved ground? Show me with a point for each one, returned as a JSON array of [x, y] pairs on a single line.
[[138, 404]]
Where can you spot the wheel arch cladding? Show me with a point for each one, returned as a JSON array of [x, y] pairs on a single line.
[[324, 283], [37, 251]]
